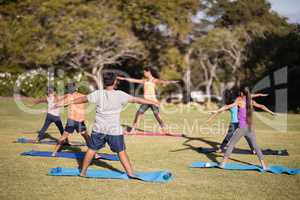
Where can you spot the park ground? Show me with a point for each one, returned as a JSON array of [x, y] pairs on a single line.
[[26, 177]]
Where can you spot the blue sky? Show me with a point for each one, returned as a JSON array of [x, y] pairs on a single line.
[[287, 8]]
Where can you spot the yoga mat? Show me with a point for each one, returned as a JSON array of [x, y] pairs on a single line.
[[73, 155], [141, 133], [158, 176], [275, 169], [282, 152], [51, 142]]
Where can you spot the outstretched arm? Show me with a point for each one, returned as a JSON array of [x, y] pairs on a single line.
[[40, 100], [31, 100], [61, 98], [78, 100], [224, 108], [139, 100], [259, 95], [263, 107], [131, 80], [217, 112], [163, 82], [84, 99], [211, 117]]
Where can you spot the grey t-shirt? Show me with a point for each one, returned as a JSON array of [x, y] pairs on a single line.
[[109, 106]]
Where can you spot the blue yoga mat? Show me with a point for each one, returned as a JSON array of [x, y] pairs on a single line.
[[46, 141], [280, 152], [74, 155], [275, 169], [158, 176]]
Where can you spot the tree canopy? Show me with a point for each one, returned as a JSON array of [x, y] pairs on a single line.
[[232, 42]]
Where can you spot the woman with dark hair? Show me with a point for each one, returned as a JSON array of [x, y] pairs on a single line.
[[229, 98], [53, 113], [245, 105], [150, 84]]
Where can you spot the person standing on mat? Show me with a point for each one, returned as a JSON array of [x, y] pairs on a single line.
[[53, 113], [107, 127], [245, 105], [149, 93], [230, 97], [75, 119]]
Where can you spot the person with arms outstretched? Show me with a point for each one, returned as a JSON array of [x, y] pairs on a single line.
[[229, 98], [107, 126], [53, 113], [245, 106], [76, 116], [149, 93]]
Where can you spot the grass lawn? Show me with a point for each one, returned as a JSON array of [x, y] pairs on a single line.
[[26, 177]]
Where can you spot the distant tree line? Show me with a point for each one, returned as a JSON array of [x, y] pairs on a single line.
[[210, 45]]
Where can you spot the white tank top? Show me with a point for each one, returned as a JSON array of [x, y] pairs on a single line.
[[51, 109]]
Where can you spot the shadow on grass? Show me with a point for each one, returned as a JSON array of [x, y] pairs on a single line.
[[103, 164], [129, 128], [79, 160], [36, 132], [212, 156], [209, 142], [47, 135]]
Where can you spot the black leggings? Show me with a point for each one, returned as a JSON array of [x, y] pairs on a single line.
[[51, 119]]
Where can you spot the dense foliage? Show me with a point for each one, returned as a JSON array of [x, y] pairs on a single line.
[[231, 43]]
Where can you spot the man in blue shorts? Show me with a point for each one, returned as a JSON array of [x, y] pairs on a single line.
[[107, 127]]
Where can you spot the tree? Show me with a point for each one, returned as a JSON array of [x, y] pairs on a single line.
[[206, 59], [65, 33], [161, 28], [165, 28], [109, 50], [238, 24], [230, 47]]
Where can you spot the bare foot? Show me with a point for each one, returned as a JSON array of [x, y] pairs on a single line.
[[220, 150], [132, 176], [163, 132], [222, 165], [97, 156], [131, 131], [82, 175], [264, 166]]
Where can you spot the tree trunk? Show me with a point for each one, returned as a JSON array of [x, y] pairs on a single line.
[[212, 74], [97, 76], [99, 79], [187, 77], [208, 90], [187, 86]]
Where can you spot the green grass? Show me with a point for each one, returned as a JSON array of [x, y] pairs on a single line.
[[26, 177]]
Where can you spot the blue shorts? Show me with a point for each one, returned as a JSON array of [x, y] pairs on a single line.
[[75, 125], [115, 142]]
